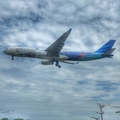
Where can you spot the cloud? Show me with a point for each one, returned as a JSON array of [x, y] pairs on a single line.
[[35, 91]]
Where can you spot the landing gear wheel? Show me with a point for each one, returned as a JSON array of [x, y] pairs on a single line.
[[12, 57], [59, 66]]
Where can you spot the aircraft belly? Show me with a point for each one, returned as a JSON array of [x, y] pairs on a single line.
[[88, 59]]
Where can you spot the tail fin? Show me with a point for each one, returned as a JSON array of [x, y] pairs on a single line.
[[107, 48]]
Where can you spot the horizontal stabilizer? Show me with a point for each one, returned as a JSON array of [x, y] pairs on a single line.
[[109, 51]]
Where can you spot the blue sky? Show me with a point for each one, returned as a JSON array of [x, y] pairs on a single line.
[[42, 92]]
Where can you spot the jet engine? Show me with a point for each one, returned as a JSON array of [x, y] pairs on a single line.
[[46, 62]]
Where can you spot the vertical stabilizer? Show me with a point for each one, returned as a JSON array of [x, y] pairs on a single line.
[[106, 47]]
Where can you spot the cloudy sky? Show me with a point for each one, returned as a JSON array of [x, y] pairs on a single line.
[[42, 92]]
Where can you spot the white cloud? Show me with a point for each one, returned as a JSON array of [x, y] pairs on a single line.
[[46, 92]]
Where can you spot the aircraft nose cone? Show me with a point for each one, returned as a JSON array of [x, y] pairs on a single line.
[[5, 51]]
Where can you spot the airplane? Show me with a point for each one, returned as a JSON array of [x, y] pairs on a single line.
[[53, 53]]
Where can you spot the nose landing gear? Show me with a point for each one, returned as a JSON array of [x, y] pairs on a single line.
[[12, 57]]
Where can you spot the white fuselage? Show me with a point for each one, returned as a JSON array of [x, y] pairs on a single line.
[[30, 52]]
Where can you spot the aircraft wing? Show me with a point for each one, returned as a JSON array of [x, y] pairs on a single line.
[[55, 48]]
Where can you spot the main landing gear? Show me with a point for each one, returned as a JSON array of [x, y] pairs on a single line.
[[12, 57], [58, 65], [56, 62]]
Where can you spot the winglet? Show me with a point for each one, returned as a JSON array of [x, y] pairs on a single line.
[[69, 30]]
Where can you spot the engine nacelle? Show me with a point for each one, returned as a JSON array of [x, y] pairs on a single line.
[[46, 62]]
